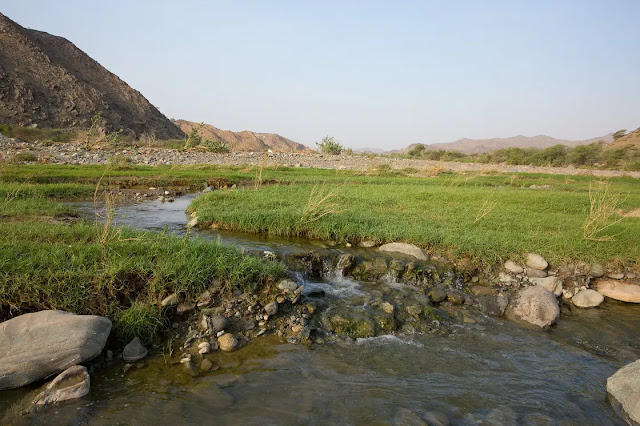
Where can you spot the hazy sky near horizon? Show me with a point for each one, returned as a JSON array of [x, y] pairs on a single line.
[[379, 74]]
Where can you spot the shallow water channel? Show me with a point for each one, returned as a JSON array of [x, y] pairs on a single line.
[[488, 372]]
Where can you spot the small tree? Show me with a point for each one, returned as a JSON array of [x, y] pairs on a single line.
[[619, 134], [330, 146], [417, 150]]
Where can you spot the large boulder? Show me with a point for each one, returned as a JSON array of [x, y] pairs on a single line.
[[587, 299], [404, 248], [534, 305], [624, 388], [35, 346], [619, 290]]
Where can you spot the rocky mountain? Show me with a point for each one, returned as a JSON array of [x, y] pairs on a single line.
[[46, 80], [479, 146], [245, 140]]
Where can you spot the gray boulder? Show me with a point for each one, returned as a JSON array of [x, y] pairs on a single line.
[[624, 388], [134, 351], [534, 305], [35, 346], [404, 248]]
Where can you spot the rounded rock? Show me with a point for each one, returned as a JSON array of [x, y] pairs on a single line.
[[134, 351], [271, 308], [535, 261], [587, 299], [227, 342], [437, 295], [534, 305], [219, 323]]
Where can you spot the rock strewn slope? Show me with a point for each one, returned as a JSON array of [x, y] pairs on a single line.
[[46, 80]]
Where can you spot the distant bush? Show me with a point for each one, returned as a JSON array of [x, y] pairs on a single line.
[[416, 151], [28, 156], [330, 146], [218, 146], [619, 134], [34, 134]]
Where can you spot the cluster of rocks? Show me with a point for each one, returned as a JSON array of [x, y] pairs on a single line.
[[73, 153]]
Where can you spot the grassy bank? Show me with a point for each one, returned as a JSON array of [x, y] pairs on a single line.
[[49, 263], [488, 218]]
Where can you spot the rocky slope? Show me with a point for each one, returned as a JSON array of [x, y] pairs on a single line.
[[479, 146], [46, 80], [245, 140], [632, 138]]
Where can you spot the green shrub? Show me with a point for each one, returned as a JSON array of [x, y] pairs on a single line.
[[28, 156], [330, 146], [218, 146]]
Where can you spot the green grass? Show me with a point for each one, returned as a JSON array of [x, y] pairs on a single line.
[[441, 214], [53, 266]]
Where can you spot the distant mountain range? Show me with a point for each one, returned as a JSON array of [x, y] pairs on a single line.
[[480, 146], [245, 140], [46, 80]]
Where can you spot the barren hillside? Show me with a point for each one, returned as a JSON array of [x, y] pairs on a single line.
[[46, 80], [245, 140]]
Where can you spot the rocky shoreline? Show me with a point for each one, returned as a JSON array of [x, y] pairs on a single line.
[[73, 153]]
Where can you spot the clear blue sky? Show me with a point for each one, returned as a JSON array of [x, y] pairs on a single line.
[[371, 73]]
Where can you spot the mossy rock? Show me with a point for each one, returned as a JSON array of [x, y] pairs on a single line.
[[385, 322], [370, 270], [350, 322]]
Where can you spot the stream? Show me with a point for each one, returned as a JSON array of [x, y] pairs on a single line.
[[488, 372]]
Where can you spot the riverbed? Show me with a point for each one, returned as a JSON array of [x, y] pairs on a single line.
[[486, 371]]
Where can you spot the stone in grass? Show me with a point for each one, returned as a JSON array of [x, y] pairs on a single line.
[[404, 248], [287, 285], [535, 261], [513, 267], [587, 299], [227, 342], [170, 300], [134, 351]]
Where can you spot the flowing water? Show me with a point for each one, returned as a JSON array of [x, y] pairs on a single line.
[[488, 372]]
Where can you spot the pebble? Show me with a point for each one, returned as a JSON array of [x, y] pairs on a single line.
[[616, 276], [513, 267], [271, 308], [287, 285], [170, 300], [535, 261], [204, 348], [387, 307]]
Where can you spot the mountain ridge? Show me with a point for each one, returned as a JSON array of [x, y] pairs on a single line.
[[245, 140]]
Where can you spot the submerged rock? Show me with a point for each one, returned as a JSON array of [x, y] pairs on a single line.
[[134, 351], [350, 322], [534, 305], [587, 299], [619, 290], [72, 383], [404, 248], [624, 388], [35, 346]]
